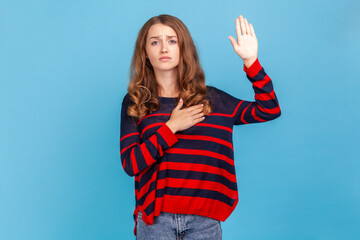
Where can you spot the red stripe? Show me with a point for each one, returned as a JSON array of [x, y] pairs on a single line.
[[243, 113], [128, 147], [138, 177], [199, 184], [228, 115], [158, 205], [153, 139], [205, 138], [201, 153], [146, 187], [128, 135], [198, 168], [168, 136], [147, 156], [220, 114], [256, 117], [151, 126], [271, 110], [153, 115], [136, 181], [237, 108], [149, 199], [262, 83], [210, 114], [254, 69], [133, 162], [265, 96], [198, 205], [213, 126], [124, 163], [148, 219]]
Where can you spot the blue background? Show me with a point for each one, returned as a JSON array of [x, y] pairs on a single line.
[[64, 69]]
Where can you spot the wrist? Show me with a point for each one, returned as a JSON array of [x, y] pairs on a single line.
[[172, 128], [249, 62]]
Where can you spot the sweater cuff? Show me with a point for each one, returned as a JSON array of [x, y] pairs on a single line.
[[167, 135], [254, 69]]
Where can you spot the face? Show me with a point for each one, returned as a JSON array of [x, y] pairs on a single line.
[[162, 48]]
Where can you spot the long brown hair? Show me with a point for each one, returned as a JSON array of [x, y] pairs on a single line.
[[143, 88]]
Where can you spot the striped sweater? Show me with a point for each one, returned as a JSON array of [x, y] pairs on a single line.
[[191, 171]]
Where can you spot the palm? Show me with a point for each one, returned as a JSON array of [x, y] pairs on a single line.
[[246, 45]]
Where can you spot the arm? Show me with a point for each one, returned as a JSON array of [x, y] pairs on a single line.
[[135, 154], [266, 106]]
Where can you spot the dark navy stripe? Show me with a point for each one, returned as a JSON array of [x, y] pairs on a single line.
[[192, 144], [150, 208], [266, 116], [205, 176], [174, 157], [143, 198], [260, 76], [265, 89], [269, 104], [147, 176], [196, 193]]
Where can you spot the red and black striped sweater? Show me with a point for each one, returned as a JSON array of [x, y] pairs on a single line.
[[191, 171]]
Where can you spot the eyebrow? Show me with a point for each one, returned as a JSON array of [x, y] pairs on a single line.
[[160, 36]]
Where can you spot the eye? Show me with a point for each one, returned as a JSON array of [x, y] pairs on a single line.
[[173, 41], [153, 42]]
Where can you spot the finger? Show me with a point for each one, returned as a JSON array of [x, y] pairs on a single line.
[[200, 119], [247, 26], [196, 111], [199, 115], [237, 27], [194, 107], [242, 25], [233, 41], [180, 103], [252, 30]]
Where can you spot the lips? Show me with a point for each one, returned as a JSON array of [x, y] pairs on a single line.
[[164, 58]]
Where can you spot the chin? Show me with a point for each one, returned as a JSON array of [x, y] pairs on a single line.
[[166, 68]]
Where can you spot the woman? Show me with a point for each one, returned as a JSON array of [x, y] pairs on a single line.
[[176, 132]]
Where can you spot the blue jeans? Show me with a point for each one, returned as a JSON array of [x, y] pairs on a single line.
[[170, 226]]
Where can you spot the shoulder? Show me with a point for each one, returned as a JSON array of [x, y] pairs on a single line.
[[215, 92], [125, 106], [127, 100], [222, 97], [211, 90]]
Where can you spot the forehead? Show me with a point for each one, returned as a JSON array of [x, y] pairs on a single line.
[[160, 29]]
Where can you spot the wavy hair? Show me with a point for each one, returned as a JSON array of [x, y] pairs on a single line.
[[143, 87]]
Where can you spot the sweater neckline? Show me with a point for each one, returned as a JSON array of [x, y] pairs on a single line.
[[167, 99]]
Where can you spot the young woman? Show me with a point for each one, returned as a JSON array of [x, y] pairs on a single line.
[[176, 132]]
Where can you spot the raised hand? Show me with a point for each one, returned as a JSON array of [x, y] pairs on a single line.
[[246, 45]]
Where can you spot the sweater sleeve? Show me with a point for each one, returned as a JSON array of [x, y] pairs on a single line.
[[264, 108], [137, 154]]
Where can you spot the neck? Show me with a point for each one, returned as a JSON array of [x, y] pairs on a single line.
[[168, 83]]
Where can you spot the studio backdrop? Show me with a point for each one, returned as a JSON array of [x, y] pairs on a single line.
[[64, 70]]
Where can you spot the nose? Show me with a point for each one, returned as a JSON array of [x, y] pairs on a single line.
[[164, 46], [164, 49]]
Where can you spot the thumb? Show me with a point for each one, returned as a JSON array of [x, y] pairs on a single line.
[[233, 41], [180, 104]]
